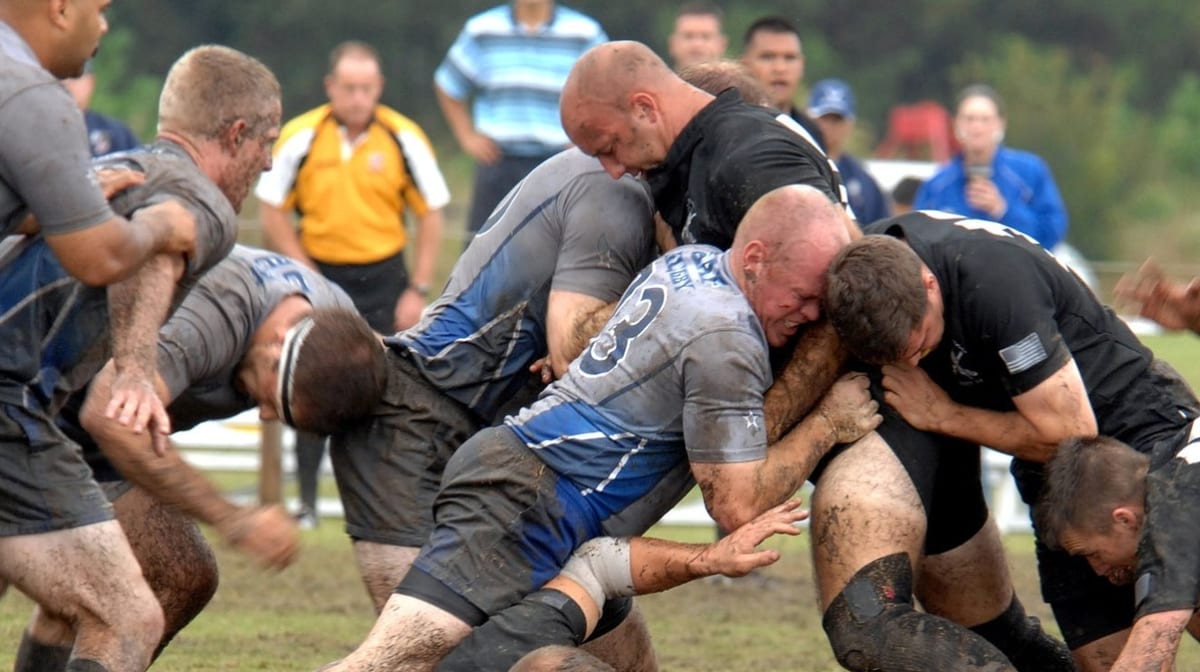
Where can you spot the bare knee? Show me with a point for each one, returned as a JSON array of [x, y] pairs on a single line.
[[627, 648], [382, 567]]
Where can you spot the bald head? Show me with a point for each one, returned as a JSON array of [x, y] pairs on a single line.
[[623, 105], [610, 72], [791, 214], [782, 248]]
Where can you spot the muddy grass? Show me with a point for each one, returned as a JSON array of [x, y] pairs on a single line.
[[316, 611]]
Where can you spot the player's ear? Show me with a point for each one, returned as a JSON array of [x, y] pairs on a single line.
[[58, 11], [1126, 517], [929, 280], [644, 106], [235, 135], [754, 257]]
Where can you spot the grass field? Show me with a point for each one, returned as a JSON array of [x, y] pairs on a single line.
[[317, 610]]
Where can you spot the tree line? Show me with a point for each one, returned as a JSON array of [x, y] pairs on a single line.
[[1105, 90]]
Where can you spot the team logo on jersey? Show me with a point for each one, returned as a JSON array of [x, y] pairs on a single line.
[[689, 238], [752, 421], [965, 376], [375, 162]]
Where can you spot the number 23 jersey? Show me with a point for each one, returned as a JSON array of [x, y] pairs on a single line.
[[676, 376]]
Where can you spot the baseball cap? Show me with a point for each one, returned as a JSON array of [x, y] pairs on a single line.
[[831, 96]]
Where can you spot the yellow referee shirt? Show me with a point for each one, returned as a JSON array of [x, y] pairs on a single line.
[[351, 196]]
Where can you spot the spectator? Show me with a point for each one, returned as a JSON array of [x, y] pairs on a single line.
[[105, 134], [773, 53], [832, 106], [698, 36], [987, 180], [512, 61], [351, 168], [904, 193]]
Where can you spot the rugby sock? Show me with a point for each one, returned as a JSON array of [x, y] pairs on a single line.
[[85, 665], [1027, 645], [33, 656], [543, 618]]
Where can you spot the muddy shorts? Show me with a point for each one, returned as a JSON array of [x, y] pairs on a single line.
[[389, 468], [944, 471], [45, 485], [506, 524]]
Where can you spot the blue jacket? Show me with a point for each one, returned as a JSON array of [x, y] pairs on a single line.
[[1035, 207], [862, 191]]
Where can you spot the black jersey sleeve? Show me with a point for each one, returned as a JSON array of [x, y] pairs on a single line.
[[1169, 550], [1007, 291]]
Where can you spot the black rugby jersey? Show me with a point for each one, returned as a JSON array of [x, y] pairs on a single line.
[[1014, 315], [727, 157]]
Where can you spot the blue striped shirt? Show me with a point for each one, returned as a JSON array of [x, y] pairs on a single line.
[[515, 75]]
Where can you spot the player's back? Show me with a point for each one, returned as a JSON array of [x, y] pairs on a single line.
[[57, 328], [201, 347], [567, 226]]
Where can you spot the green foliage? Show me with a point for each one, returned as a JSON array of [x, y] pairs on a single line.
[[122, 91], [1079, 122], [1178, 140], [1096, 87]]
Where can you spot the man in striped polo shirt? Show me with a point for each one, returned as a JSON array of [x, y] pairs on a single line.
[[510, 62]]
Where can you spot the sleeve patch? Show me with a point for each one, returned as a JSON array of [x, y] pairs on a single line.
[[1024, 355], [1141, 589]]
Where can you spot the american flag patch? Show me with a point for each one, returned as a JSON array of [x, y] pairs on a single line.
[[1024, 355]]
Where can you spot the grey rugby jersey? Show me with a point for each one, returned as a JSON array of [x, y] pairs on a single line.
[[567, 226], [676, 376], [201, 346], [45, 162]]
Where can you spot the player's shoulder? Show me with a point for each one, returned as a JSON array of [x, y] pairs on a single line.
[[17, 77], [700, 283]]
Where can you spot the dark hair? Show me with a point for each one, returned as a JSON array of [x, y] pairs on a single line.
[[980, 91], [769, 24], [1086, 479], [905, 191], [716, 76], [875, 298], [701, 9], [353, 48], [340, 374]]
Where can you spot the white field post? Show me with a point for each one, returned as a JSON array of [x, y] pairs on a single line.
[[270, 469]]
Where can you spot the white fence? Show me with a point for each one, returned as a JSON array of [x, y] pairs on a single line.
[[233, 446]]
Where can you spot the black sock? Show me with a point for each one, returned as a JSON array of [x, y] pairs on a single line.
[[85, 665], [33, 656], [543, 618]]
